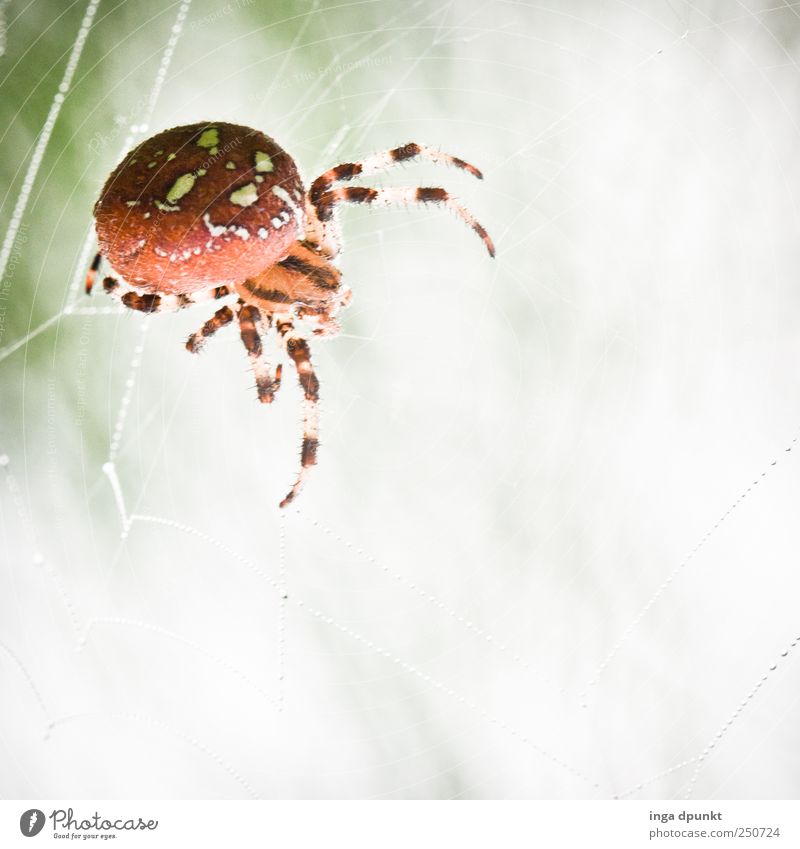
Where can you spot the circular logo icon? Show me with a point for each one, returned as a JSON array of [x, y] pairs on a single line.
[[31, 822]]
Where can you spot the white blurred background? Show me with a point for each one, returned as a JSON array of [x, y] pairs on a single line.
[[524, 566]]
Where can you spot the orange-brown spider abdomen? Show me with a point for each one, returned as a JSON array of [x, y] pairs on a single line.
[[197, 206]]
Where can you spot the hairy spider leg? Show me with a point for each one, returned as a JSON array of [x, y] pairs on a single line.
[[264, 325], [297, 348], [250, 321], [162, 303], [325, 237], [221, 318], [394, 196], [378, 162]]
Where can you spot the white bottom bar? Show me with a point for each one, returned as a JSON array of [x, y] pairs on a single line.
[[396, 824]]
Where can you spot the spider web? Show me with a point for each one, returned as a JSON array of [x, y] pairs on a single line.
[[547, 551]]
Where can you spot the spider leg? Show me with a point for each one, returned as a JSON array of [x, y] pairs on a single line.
[[250, 320], [383, 161], [91, 274], [221, 318], [297, 348], [161, 303], [322, 236], [391, 196], [323, 325]]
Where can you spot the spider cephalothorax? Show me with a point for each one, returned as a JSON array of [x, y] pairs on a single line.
[[212, 210]]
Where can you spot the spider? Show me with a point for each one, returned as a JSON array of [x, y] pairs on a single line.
[[210, 210]]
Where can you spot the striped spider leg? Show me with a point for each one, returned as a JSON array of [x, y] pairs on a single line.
[[153, 303], [252, 326], [298, 350], [221, 318], [397, 196], [150, 303], [91, 274]]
